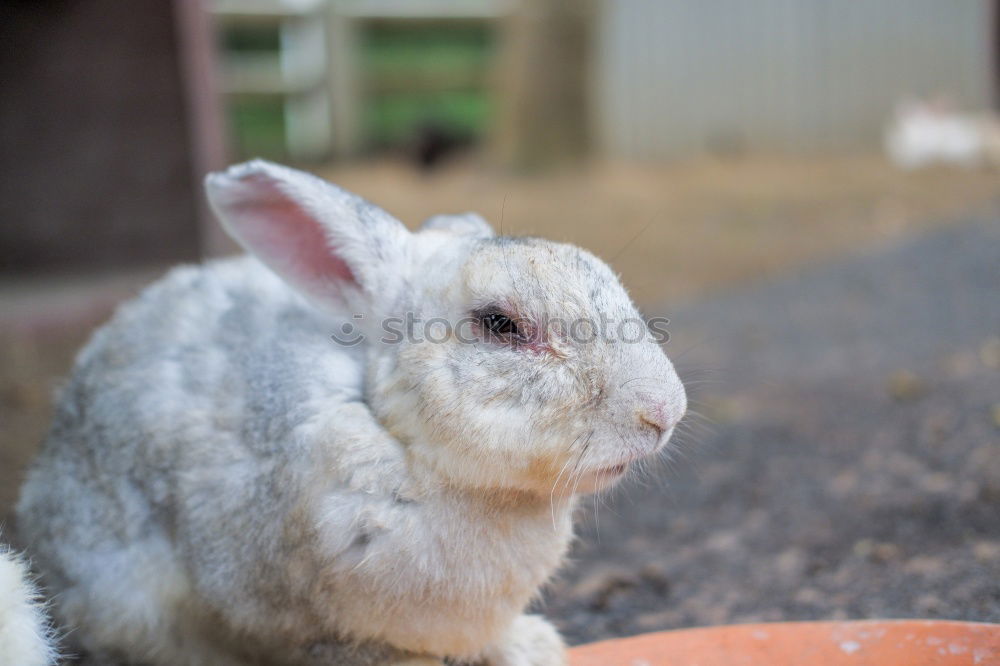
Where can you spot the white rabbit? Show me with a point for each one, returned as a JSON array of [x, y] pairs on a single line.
[[25, 638], [225, 483], [926, 133]]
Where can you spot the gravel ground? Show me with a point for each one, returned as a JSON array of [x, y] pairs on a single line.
[[850, 467]]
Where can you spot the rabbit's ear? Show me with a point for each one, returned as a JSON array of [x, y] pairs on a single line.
[[465, 224], [326, 242]]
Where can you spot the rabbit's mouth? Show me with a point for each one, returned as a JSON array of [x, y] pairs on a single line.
[[614, 470], [600, 478]]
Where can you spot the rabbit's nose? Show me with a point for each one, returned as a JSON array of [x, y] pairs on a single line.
[[661, 415]]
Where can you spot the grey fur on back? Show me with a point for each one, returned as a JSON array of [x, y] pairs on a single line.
[[117, 463]]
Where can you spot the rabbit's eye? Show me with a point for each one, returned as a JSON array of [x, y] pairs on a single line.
[[500, 324]]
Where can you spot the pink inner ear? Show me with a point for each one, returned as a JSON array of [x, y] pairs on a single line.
[[313, 248], [293, 244]]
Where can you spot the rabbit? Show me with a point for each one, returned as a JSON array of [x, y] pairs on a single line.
[[927, 133], [25, 636], [356, 445]]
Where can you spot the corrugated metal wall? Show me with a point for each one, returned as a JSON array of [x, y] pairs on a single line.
[[675, 77]]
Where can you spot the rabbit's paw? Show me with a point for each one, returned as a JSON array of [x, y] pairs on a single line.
[[530, 641]]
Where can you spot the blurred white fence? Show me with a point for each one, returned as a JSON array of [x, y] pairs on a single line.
[[315, 71], [675, 77]]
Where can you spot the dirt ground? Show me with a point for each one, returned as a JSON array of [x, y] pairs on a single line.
[[816, 491]]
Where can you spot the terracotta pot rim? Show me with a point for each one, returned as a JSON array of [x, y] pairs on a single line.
[[864, 642], [777, 623]]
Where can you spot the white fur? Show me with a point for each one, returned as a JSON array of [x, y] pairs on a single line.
[[25, 639], [224, 483]]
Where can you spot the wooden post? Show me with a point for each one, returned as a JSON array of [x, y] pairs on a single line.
[[203, 104], [343, 81], [544, 83]]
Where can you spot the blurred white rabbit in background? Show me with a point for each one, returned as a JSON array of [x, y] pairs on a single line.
[[928, 132]]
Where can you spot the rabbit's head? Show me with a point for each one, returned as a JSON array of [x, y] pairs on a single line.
[[512, 363]]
